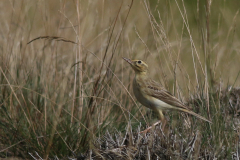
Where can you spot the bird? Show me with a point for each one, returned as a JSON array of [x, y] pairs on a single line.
[[153, 95]]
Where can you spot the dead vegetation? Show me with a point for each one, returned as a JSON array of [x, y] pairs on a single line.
[[65, 90]]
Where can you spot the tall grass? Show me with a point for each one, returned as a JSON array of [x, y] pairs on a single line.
[[65, 89]]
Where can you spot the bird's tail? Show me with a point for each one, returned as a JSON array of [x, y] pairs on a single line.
[[194, 114]]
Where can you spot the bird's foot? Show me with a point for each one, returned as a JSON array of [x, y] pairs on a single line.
[[149, 128]]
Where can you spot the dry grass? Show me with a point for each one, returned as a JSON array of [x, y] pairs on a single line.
[[65, 89]]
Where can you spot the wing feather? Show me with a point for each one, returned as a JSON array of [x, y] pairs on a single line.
[[156, 90]]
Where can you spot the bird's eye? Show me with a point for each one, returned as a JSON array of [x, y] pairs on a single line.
[[139, 62]]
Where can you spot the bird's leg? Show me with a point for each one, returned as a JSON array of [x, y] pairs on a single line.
[[163, 121], [148, 129]]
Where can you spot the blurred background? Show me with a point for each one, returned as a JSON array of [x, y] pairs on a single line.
[[56, 95]]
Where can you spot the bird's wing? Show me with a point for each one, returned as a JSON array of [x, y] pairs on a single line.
[[156, 90]]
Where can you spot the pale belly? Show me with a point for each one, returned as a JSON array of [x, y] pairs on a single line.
[[150, 102]]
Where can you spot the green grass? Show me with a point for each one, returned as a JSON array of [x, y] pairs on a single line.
[[68, 92]]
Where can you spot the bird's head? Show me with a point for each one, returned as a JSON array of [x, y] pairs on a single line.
[[138, 65]]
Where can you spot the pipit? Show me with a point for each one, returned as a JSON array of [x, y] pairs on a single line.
[[152, 95]]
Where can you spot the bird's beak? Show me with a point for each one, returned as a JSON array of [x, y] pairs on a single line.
[[128, 60]]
